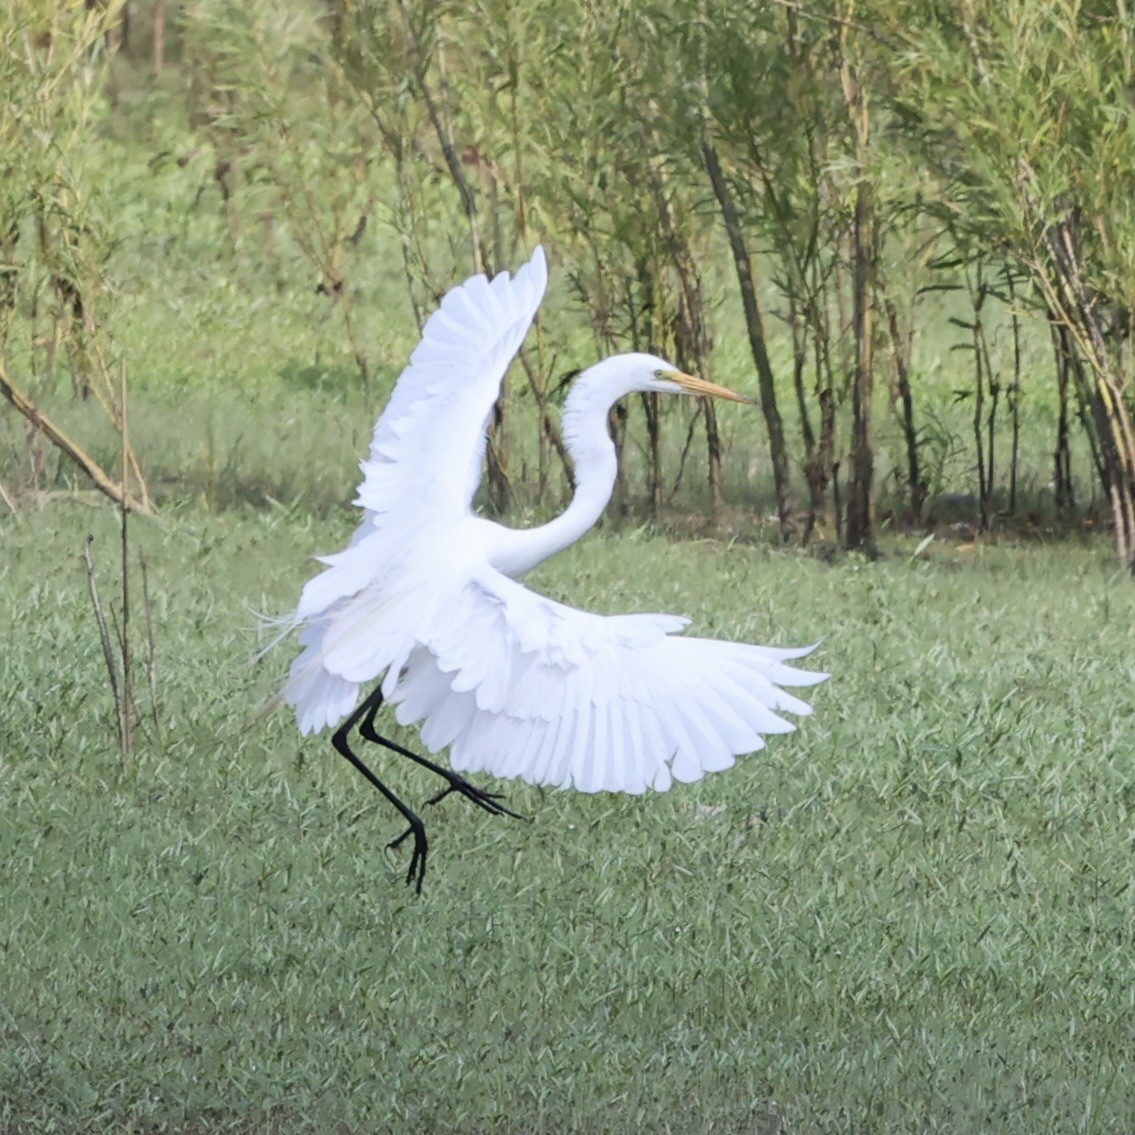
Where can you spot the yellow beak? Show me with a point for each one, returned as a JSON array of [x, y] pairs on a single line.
[[692, 385]]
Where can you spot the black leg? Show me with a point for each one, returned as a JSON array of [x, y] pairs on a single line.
[[417, 869], [364, 717], [490, 801]]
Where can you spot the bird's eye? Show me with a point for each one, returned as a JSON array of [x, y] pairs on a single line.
[[657, 374]]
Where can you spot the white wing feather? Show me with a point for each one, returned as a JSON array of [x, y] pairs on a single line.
[[520, 686], [428, 445], [424, 467]]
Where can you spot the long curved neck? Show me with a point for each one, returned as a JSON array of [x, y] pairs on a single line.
[[593, 454]]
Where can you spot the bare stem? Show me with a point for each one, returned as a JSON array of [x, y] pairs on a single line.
[[124, 513], [107, 648], [151, 655]]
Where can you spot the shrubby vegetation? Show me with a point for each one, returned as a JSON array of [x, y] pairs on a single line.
[[832, 185]]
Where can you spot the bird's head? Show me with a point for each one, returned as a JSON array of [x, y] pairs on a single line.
[[649, 373]]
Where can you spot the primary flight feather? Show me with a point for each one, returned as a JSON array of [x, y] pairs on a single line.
[[424, 600]]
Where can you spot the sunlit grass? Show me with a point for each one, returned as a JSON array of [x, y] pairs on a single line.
[[914, 914]]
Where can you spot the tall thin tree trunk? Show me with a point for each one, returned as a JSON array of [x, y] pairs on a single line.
[[654, 442], [859, 531], [900, 345], [713, 459], [691, 333], [754, 324], [645, 335], [1101, 386], [977, 297], [1062, 454]]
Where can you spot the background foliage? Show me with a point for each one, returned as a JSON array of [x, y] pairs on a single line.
[[907, 230]]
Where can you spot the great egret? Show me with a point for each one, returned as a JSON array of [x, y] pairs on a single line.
[[425, 598]]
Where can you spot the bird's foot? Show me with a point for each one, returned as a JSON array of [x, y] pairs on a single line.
[[417, 870], [490, 801]]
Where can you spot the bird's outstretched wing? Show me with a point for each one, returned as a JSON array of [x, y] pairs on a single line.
[[521, 686], [420, 476], [428, 445]]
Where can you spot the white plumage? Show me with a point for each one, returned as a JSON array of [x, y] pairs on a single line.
[[425, 596]]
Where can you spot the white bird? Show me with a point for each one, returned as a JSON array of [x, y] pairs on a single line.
[[425, 601]]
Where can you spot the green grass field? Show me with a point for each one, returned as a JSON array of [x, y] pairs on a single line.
[[915, 914]]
